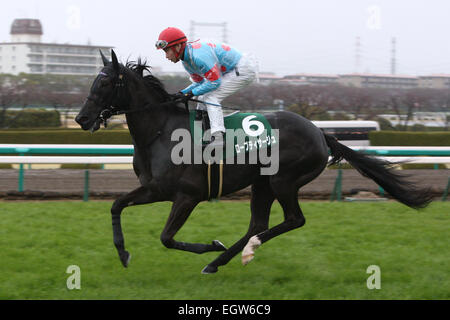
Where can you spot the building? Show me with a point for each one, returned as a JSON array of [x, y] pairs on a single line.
[[367, 80], [27, 54], [428, 119], [311, 79], [435, 81], [268, 78], [363, 80]]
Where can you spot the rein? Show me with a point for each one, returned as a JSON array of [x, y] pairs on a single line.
[[119, 92], [113, 111], [120, 87]]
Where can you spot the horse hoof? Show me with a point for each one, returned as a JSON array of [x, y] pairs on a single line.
[[247, 258], [125, 258], [220, 245], [209, 269]]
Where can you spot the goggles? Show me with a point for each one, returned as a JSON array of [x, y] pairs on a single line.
[[161, 44]]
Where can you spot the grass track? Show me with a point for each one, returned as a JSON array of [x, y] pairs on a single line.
[[325, 259]]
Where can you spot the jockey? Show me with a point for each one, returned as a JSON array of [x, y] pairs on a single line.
[[216, 70]]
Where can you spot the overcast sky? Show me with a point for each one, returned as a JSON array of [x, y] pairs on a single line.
[[288, 36]]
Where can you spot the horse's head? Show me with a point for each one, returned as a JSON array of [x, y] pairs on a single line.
[[107, 91]]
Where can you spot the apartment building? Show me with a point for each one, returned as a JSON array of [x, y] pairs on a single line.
[[366, 80], [25, 53], [311, 79], [436, 81], [268, 78]]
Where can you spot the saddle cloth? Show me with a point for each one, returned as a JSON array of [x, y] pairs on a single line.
[[250, 131]]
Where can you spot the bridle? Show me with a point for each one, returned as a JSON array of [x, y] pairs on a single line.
[[120, 96]]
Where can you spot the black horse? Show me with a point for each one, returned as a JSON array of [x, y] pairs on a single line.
[[152, 117]]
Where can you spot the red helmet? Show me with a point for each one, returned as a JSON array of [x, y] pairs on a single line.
[[170, 37]]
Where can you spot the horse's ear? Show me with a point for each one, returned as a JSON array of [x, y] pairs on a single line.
[[105, 60], [115, 62]]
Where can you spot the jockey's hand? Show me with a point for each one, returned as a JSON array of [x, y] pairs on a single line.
[[182, 97]]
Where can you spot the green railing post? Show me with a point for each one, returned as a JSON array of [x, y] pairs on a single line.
[[21, 176], [444, 196], [86, 185], [337, 190]]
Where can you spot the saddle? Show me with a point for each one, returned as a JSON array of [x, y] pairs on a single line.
[[202, 115]]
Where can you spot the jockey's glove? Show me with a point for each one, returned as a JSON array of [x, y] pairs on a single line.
[[182, 97]]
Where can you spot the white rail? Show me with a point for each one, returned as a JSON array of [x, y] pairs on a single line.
[[417, 159], [127, 160], [61, 160]]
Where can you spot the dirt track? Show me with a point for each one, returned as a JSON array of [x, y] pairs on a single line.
[[108, 184]]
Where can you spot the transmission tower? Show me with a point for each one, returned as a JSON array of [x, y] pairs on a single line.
[[393, 56], [357, 54], [223, 25]]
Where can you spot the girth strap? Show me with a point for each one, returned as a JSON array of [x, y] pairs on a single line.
[[215, 180]]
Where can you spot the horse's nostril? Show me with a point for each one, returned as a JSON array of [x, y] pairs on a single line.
[[81, 120]]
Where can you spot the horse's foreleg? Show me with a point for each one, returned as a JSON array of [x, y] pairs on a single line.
[[140, 195], [181, 210]]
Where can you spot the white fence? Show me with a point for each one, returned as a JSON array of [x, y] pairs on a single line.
[[129, 160]]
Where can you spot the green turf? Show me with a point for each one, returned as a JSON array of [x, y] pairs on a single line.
[[325, 259]]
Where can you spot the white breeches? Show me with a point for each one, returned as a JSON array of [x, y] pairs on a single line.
[[231, 82]]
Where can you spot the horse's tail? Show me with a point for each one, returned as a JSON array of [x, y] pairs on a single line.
[[382, 173]]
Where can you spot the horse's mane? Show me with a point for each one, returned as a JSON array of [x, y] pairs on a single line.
[[150, 80]]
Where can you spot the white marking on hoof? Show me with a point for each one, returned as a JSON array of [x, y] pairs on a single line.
[[248, 253]]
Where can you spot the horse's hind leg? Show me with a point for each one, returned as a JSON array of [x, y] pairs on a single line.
[[140, 195], [181, 210], [285, 189], [261, 202], [293, 219]]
